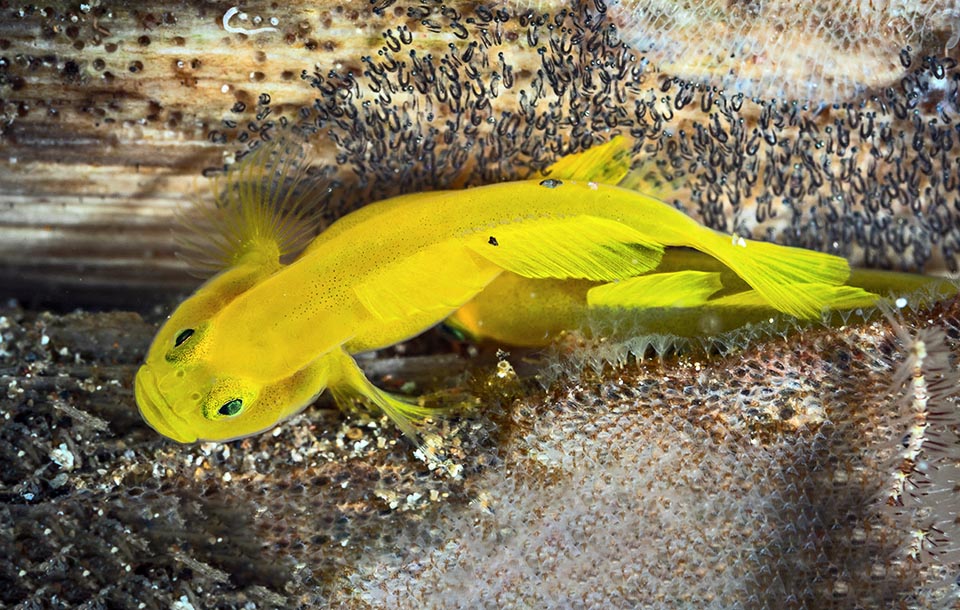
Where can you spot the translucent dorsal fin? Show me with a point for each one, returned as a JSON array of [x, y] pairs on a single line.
[[606, 164], [263, 207]]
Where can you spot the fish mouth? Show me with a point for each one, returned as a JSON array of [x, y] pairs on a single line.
[[154, 408]]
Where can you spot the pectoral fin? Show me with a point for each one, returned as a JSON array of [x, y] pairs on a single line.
[[262, 209], [583, 247]]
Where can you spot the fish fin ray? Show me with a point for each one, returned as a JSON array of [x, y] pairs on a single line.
[[584, 247], [606, 163], [405, 412], [676, 289], [775, 271], [833, 297], [264, 206]]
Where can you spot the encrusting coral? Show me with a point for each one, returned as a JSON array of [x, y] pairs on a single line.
[[819, 51]]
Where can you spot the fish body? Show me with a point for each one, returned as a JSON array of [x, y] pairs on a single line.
[[261, 339]]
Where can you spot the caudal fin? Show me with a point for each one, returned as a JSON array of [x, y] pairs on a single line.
[[782, 275]]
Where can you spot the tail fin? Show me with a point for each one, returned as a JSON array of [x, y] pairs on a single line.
[[777, 272]]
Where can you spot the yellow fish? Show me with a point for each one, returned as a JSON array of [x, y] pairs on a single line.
[[533, 312], [262, 339]]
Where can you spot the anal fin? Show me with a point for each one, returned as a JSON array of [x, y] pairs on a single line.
[[832, 298]]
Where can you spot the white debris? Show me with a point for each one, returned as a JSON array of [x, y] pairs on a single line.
[[63, 457], [244, 17]]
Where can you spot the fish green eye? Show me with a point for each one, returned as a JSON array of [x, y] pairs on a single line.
[[231, 408], [454, 333], [182, 337]]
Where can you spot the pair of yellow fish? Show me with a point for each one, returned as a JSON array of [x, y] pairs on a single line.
[[516, 262]]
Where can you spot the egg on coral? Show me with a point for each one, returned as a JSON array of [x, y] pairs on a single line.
[[824, 51]]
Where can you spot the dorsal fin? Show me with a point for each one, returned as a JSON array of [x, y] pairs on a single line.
[[263, 207], [606, 164]]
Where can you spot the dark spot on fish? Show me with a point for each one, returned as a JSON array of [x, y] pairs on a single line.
[[550, 183], [493, 241]]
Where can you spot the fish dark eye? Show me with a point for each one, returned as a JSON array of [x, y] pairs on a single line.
[[183, 336], [231, 407], [453, 333]]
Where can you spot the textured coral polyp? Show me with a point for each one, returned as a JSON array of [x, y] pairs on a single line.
[[925, 470]]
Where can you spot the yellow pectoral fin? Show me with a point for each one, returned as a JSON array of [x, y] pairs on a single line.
[[351, 384], [677, 289], [607, 163], [438, 279], [583, 247]]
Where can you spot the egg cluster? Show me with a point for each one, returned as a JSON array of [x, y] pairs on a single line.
[[758, 480], [873, 177]]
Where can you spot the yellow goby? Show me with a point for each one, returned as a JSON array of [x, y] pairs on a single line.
[[529, 312], [261, 340]]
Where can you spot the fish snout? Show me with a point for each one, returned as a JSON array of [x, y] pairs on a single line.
[[156, 410]]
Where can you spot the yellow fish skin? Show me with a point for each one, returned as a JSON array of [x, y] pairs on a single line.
[[261, 340]]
